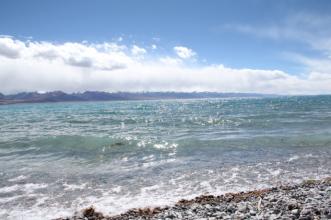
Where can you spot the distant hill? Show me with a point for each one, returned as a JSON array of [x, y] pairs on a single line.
[[59, 96]]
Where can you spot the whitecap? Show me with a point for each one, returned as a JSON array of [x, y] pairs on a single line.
[[275, 172], [116, 189], [8, 189], [72, 187], [295, 157], [165, 145], [31, 187], [9, 199], [18, 178]]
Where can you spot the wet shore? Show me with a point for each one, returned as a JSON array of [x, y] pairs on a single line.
[[308, 200]]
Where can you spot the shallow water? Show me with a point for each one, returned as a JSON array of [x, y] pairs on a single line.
[[60, 157]]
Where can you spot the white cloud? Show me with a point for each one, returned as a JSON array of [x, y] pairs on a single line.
[[320, 64], [171, 61], [137, 51], [303, 27], [184, 52], [10, 48], [71, 67], [309, 29]]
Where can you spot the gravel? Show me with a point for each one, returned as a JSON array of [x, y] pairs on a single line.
[[306, 201]]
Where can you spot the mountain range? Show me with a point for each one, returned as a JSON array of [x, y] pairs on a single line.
[[59, 96]]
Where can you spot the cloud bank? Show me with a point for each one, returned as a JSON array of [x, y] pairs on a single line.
[[111, 66]]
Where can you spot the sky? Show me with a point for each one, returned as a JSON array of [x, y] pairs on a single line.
[[263, 46]]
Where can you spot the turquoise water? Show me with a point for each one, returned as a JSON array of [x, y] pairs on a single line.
[[60, 157]]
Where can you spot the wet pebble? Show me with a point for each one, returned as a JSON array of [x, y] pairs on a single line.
[[307, 201]]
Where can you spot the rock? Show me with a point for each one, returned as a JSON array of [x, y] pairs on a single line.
[[239, 216], [292, 205], [276, 211], [273, 216], [252, 212], [170, 216], [208, 206], [305, 218], [327, 213], [231, 209], [220, 214], [306, 211], [295, 211], [242, 208]]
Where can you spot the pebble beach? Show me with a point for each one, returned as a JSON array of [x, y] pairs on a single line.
[[306, 201]]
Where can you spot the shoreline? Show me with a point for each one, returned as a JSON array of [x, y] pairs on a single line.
[[310, 199]]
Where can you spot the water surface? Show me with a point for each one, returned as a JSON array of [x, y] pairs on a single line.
[[60, 157]]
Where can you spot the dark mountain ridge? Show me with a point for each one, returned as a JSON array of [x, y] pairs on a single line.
[[59, 96]]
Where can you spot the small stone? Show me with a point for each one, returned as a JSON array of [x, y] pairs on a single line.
[[219, 214], [305, 218], [295, 211], [252, 212], [171, 216], [273, 216], [276, 211], [208, 206], [306, 211], [327, 213], [239, 216], [242, 207], [231, 209], [292, 205]]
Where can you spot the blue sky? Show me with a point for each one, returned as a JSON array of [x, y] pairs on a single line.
[[288, 36]]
